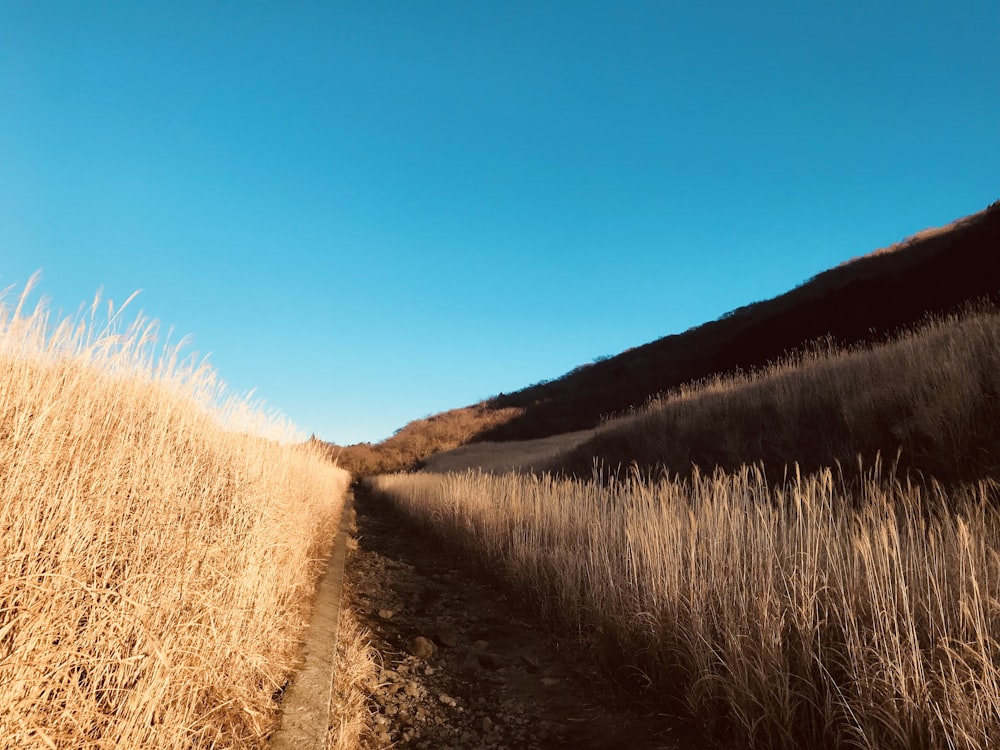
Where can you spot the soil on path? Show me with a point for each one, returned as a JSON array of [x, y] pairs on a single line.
[[464, 667]]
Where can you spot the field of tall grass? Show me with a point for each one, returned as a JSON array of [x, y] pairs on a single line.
[[798, 616], [839, 608], [160, 540]]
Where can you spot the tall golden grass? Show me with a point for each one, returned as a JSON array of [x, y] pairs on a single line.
[[355, 678], [159, 544], [801, 616]]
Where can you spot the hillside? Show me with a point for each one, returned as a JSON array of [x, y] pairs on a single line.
[[420, 439], [864, 299], [796, 516]]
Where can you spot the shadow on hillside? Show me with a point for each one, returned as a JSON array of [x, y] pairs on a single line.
[[865, 300]]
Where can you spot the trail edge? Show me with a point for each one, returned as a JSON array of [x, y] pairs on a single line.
[[305, 716]]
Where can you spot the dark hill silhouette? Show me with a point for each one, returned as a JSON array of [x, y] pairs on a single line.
[[863, 300]]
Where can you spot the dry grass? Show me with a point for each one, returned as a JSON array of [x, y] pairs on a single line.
[[515, 455], [419, 439], [790, 612], [933, 395], [158, 547], [355, 674], [801, 616]]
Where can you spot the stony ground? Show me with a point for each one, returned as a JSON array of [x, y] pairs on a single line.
[[464, 667]]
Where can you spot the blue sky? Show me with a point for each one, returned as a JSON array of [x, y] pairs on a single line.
[[370, 212]]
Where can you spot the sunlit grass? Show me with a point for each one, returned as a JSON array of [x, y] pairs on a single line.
[[355, 677], [159, 541]]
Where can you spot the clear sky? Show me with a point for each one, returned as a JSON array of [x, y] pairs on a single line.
[[371, 211]]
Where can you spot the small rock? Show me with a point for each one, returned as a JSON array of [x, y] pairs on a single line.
[[429, 670], [486, 725], [549, 681], [422, 648], [413, 689], [481, 645], [386, 614], [446, 699]]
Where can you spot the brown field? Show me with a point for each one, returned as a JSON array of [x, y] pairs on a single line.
[[356, 670], [159, 543], [840, 607]]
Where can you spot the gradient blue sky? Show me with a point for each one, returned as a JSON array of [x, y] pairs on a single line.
[[373, 211]]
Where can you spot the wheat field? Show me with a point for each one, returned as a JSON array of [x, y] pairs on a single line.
[[160, 540]]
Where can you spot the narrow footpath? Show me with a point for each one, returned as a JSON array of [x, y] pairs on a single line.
[[464, 667]]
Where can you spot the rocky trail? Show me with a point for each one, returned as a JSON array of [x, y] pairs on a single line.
[[463, 666]]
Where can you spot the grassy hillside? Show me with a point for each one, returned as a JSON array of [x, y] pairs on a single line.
[[514, 455], [158, 546], [929, 400], [838, 607], [419, 439], [783, 596], [862, 301]]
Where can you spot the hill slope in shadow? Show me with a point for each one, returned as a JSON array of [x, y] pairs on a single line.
[[863, 300]]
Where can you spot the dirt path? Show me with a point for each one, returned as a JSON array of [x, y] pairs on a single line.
[[464, 667]]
